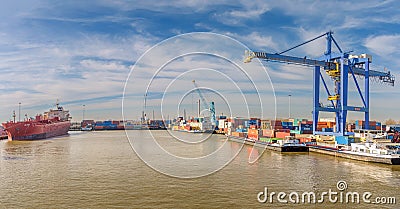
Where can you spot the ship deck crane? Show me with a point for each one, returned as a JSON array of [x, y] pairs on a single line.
[[338, 66], [210, 107]]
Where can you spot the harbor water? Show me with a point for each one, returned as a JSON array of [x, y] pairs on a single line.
[[100, 170]]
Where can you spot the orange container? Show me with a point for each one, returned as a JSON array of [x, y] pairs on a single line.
[[304, 140], [281, 135], [252, 134], [268, 133]]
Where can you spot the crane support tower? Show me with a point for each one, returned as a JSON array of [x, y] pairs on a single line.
[[338, 65]]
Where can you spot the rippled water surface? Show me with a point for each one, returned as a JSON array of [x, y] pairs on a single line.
[[100, 170]]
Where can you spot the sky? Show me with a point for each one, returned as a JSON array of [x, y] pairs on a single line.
[[85, 53]]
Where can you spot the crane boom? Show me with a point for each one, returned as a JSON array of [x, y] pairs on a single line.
[[386, 77], [210, 107]]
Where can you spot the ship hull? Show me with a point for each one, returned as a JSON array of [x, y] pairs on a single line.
[[35, 130]]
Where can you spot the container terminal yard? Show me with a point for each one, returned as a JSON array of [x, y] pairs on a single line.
[[364, 140], [375, 144]]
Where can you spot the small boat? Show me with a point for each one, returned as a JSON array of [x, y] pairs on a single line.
[[285, 145], [289, 144], [387, 153], [88, 127]]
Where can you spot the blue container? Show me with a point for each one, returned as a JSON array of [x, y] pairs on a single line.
[[107, 126], [345, 140], [306, 127], [287, 127], [241, 130], [342, 140], [253, 122]]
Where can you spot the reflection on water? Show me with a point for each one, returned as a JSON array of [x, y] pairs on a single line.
[[100, 170]]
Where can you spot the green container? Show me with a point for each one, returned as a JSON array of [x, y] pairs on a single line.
[[265, 139], [295, 131]]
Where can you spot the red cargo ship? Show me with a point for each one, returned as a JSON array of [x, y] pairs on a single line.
[[50, 124]]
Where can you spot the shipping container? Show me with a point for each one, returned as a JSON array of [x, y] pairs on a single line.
[[327, 129], [287, 127], [253, 134], [241, 130], [345, 140], [268, 133], [238, 134], [283, 130], [265, 124], [304, 140], [282, 135], [295, 131], [221, 124], [99, 127], [266, 139]]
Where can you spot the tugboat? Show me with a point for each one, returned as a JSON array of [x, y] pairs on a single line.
[[55, 122]]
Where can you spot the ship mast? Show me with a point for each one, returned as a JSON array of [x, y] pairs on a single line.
[[14, 115]]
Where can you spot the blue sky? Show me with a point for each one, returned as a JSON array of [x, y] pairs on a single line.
[[81, 52]]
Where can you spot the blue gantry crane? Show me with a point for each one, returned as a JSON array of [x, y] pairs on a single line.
[[338, 65], [210, 107]]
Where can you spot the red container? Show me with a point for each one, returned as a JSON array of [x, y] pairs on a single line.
[[276, 123], [283, 130], [98, 127]]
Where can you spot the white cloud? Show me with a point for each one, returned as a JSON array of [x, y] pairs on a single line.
[[80, 69], [384, 45], [250, 10]]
